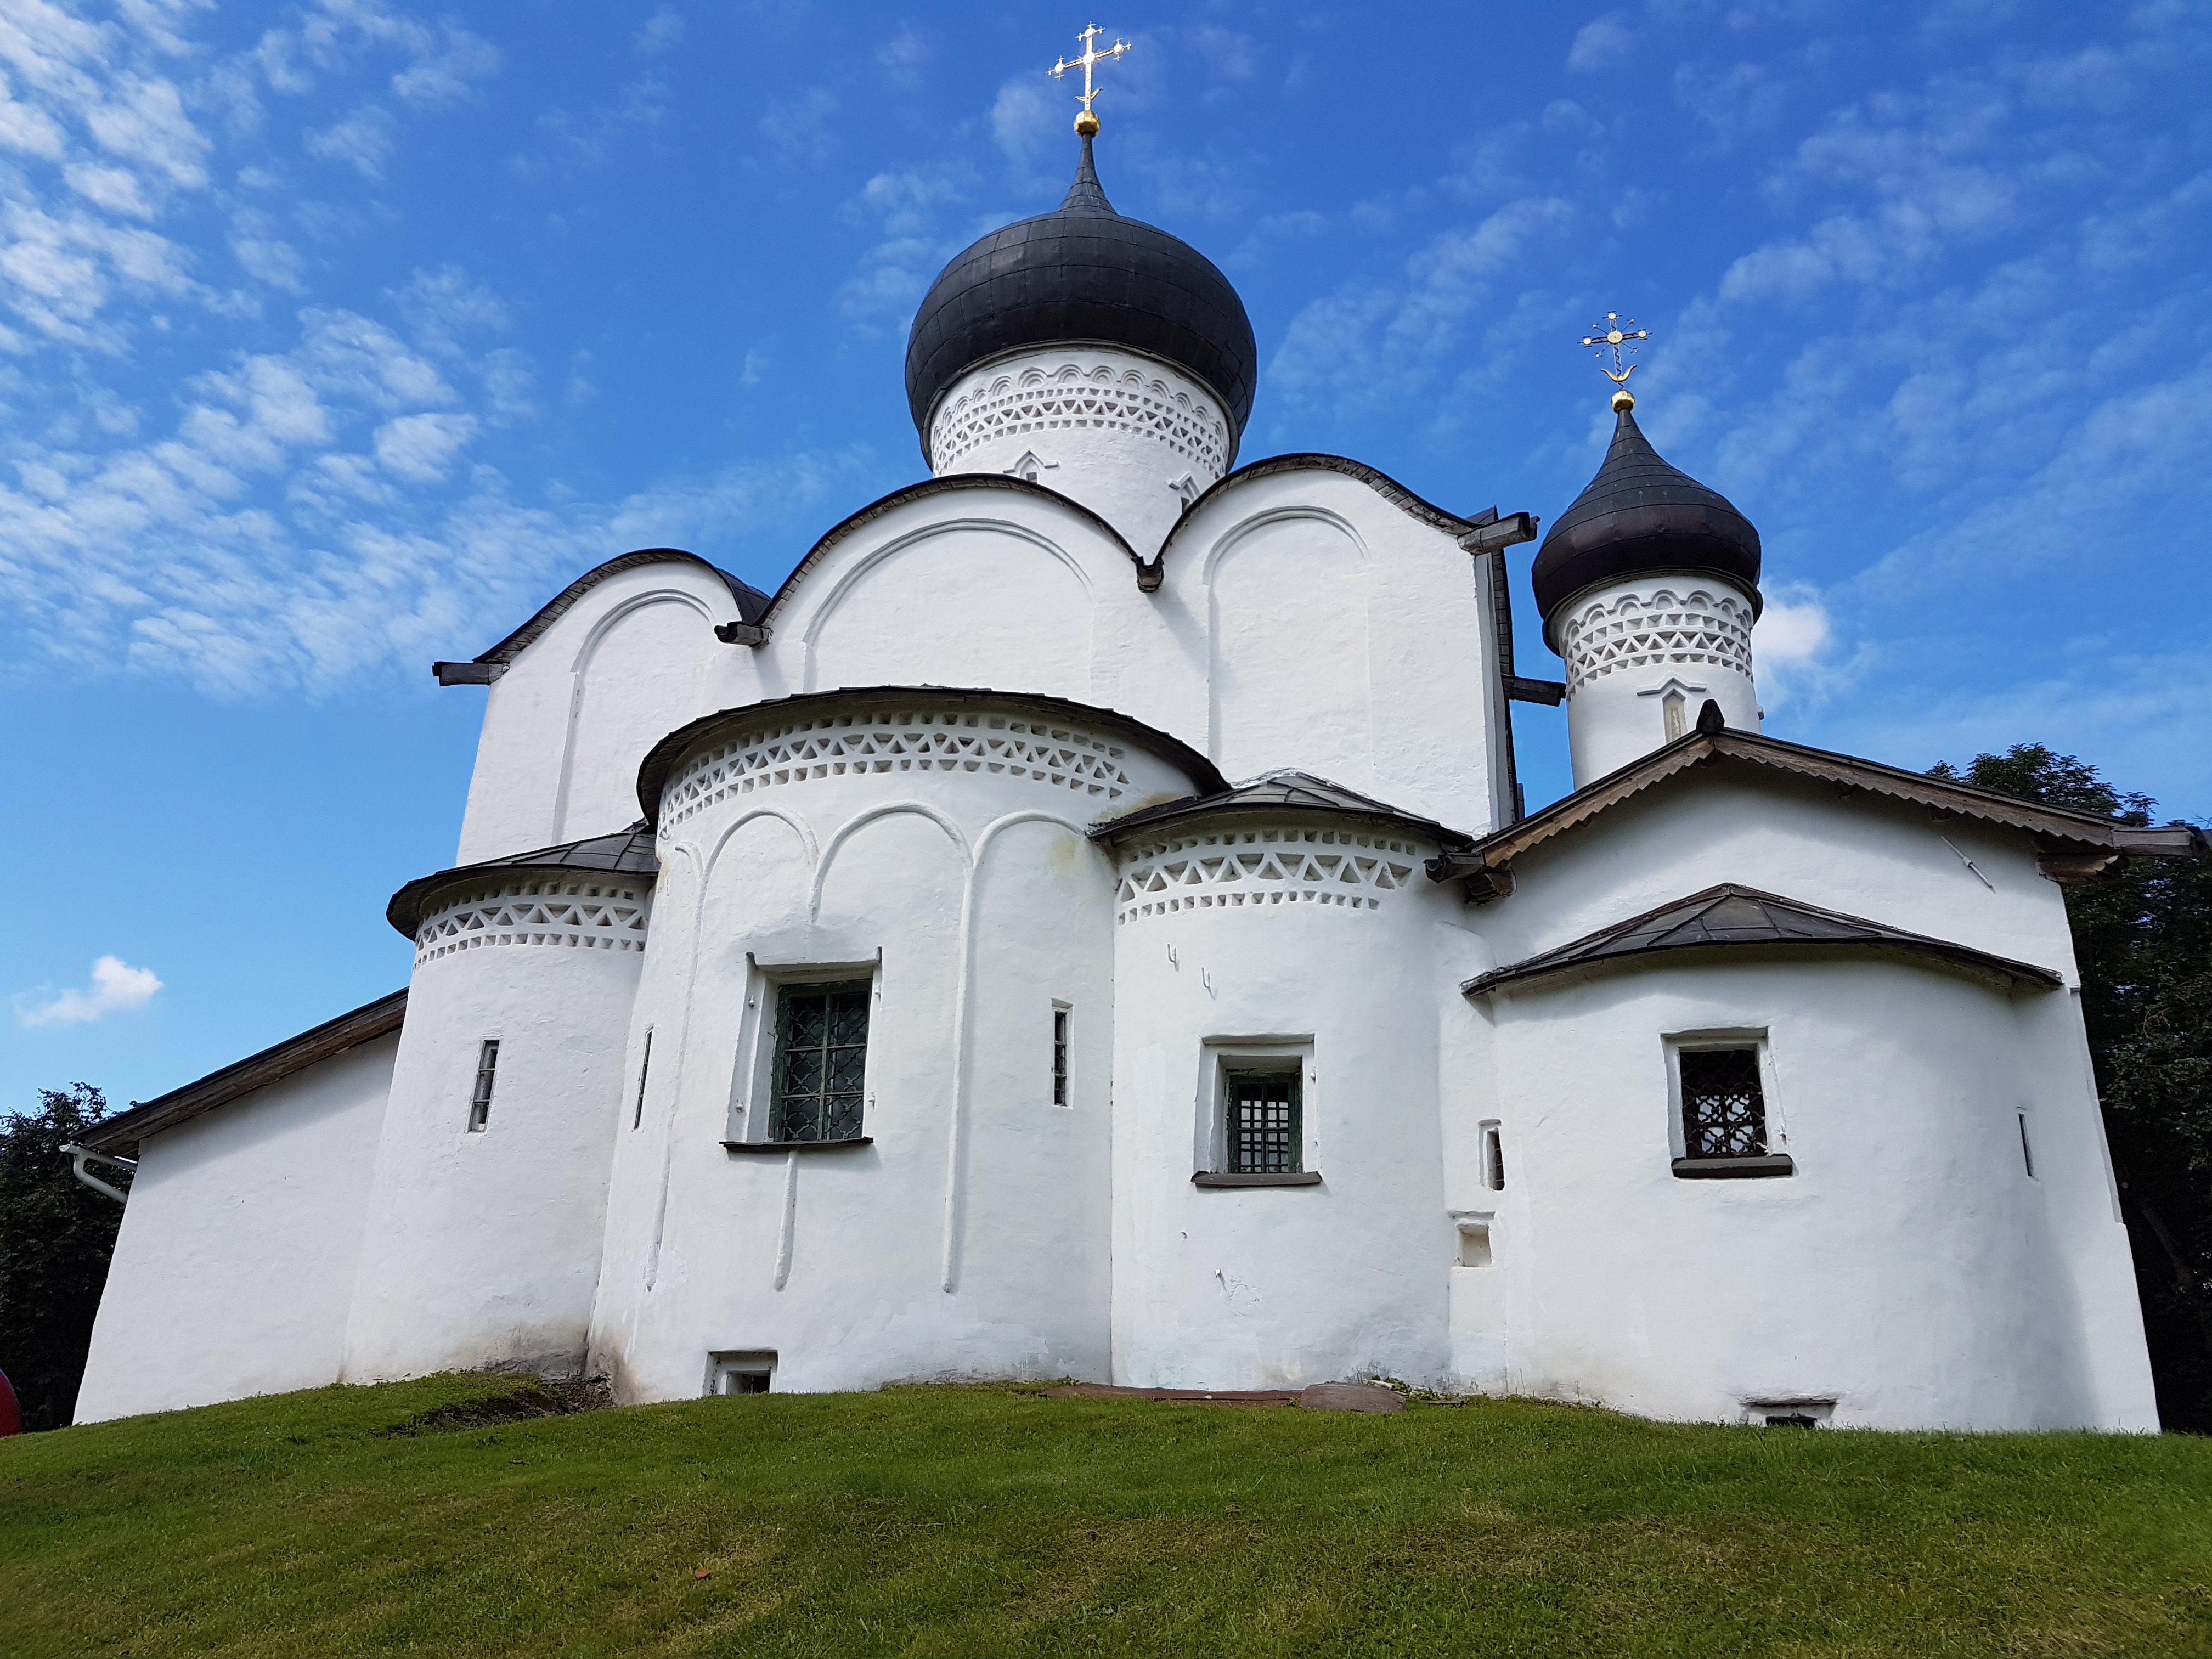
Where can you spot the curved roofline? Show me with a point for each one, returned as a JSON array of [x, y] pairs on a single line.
[[625, 852], [1010, 353], [915, 492], [1286, 791], [750, 601], [1381, 482], [653, 772]]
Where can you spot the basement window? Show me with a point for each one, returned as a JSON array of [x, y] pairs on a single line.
[[487, 1074], [820, 1061], [745, 1370]]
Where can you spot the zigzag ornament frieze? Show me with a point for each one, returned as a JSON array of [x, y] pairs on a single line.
[[1058, 756], [1073, 396], [1640, 631], [566, 915], [1260, 869]]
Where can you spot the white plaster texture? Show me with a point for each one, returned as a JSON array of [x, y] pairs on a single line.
[[234, 1267], [1643, 658]]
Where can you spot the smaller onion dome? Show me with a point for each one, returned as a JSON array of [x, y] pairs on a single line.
[[1083, 273], [1639, 517]]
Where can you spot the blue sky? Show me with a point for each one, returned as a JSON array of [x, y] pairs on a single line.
[[334, 338]]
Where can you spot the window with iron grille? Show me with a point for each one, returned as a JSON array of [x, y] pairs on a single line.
[[820, 1061], [1058, 1056], [487, 1072], [1263, 1133], [1724, 1109]]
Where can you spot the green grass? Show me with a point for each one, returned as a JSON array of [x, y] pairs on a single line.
[[407, 1519]]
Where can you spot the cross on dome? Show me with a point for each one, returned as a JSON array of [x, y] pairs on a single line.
[[1087, 122], [1614, 337]]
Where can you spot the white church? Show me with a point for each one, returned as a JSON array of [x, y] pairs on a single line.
[[1084, 924]]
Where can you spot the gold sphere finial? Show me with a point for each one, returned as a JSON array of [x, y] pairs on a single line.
[[1086, 125], [1623, 401]]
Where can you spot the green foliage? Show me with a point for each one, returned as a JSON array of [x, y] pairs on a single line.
[[2142, 937], [56, 1235], [991, 1520]]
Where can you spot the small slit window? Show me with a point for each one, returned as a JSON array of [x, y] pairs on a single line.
[[480, 1096], [644, 1071], [1264, 1133], [1493, 1159], [1059, 1055], [1723, 1108], [820, 1061]]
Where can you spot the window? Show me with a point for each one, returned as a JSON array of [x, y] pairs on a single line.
[[820, 1061], [1473, 1241], [480, 1101], [1262, 1123], [1060, 1054], [746, 1372], [1493, 1159], [2027, 1148], [644, 1071], [1723, 1111]]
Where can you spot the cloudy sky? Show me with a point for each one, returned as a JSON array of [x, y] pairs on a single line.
[[336, 337]]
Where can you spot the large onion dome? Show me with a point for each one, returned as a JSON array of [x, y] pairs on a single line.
[[1638, 517], [1083, 272]]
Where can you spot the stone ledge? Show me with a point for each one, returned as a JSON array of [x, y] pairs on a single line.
[[1224, 1178]]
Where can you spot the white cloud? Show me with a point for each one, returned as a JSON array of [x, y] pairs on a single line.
[[1602, 43], [662, 31], [116, 986], [362, 139], [422, 447], [1023, 118]]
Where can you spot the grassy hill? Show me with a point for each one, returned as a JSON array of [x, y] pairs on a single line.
[[412, 1519]]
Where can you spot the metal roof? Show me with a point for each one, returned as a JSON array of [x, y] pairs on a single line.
[[1729, 916], [1274, 792], [1083, 273], [122, 1133], [1638, 516], [627, 852]]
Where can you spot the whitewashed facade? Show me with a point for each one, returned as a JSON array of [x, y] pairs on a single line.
[[1130, 792]]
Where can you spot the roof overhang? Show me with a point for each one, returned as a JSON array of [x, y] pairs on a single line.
[[1275, 796], [123, 1132], [626, 852]]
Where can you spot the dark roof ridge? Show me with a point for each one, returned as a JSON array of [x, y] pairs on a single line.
[[1284, 789], [624, 852], [1374, 477], [272, 1065], [653, 772], [751, 603], [1617, 942]]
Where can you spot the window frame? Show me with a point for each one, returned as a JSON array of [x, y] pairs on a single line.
[[751, 1116], [1224, 1058], [483, 1085], [1063, 1064], [1776, 1160], [788, 996]]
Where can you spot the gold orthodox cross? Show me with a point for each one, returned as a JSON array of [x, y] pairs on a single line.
[[1087, 123], [1618, 340]]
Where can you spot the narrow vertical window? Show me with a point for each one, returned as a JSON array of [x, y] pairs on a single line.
[[644, 1071], [1493, 1159], [1263, 1133], [1724, 1109], [820, 1061], [2026, 1151], [1060, 1056], [487, 1070], [1676, 710]]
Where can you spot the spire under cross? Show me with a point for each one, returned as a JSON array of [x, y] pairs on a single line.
[[1087, 123], [1614, 338]]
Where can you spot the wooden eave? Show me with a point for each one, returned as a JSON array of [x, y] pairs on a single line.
[[122, 1133]]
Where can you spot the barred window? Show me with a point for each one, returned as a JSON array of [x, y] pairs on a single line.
[[1724, 1110], [1059, 1055], [1263, 1131], [487, 1074], [821, 1059]]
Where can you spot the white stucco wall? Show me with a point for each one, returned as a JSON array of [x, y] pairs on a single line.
[[1643, 658], [234, 1268], [482, 1248], [1911, 1270], [1248, 939], [971, 1236]]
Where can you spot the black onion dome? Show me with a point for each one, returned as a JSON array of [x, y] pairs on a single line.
[[1083, 272], [1637, 517]]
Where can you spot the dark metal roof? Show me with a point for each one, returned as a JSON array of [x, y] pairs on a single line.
[[625, 852], [1638, 516], [121, 1133], [1273, 792], [751, 603], [1728, 916], [661, 760], [1081, 273]]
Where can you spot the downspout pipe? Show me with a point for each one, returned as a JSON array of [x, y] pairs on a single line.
[[79, 1156]]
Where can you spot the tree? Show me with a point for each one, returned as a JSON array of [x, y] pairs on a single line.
[[2142, 938], [56, 1235]]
